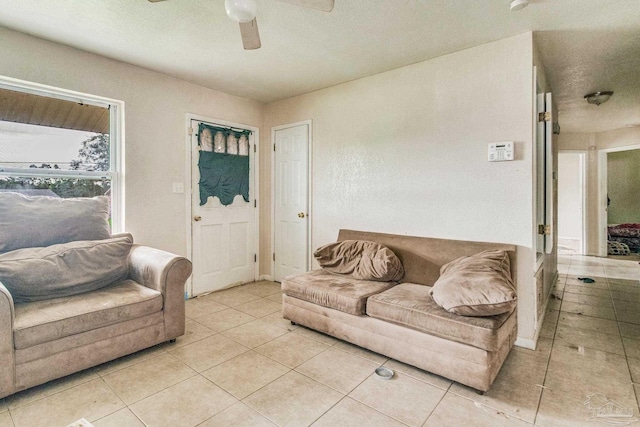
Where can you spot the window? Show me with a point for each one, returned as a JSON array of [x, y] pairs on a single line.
[[61, 144]]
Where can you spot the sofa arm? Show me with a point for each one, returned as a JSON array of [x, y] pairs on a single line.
[[7, 366], [166, 273]]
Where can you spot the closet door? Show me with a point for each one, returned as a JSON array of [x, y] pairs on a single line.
[[291, 200]]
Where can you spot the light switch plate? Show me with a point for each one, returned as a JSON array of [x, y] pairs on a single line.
[[178, 187]]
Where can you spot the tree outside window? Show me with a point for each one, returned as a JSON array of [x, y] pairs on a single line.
[[93, 155]]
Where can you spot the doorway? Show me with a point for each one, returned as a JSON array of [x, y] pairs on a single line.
[[619, 209], [291, 199], [572, 202], [223, 204]]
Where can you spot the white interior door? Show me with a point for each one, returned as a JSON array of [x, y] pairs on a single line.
[[551, 179], [291, 200], [223, 237], [541, 197], [552, 129]]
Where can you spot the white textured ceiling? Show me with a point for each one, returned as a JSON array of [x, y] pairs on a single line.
[[586, 45]]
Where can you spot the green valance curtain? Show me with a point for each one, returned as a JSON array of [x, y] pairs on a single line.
[[223, 163]]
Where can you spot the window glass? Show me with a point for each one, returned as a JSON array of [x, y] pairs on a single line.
[[29, 151], [30, 146], [54, 145]]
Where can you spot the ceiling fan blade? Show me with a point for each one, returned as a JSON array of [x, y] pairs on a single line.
[[250, 35], [324, 5]]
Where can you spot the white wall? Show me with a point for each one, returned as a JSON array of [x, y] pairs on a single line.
[[570, 196], [623, 183], [406, 152], [155, 109], [401, 152], [618, 138]]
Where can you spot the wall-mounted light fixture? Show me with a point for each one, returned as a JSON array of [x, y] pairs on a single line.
[[598, 98]]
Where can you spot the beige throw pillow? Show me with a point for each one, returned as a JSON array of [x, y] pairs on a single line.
[[361, 260], [34, 274], [479, 285], [27, 222]]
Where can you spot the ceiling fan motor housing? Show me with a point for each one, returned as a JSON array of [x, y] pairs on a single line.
[[241, 10], [244, 12]]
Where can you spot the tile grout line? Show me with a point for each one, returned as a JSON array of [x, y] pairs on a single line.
[[553, 343], [446, 390], [624, 347], [53, 394], [294, 369], [346, 396], [617, 323], [126, 405], [332, 345], [272, 381], [200, 373]]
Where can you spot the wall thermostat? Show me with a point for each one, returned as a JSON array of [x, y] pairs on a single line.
[[501, 151]]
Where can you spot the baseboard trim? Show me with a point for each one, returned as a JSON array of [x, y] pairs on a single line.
[[531, 343], [526, 343], [266, 277]]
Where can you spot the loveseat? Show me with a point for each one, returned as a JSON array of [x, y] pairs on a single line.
[[400, 319], [72, 296]]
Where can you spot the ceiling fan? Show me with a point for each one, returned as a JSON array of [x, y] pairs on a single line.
[[244, 12]]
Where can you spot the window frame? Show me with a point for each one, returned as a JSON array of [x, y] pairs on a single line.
[[116, 144]]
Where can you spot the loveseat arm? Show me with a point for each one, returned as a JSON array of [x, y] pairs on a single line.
[[7, 365], [166, 273]]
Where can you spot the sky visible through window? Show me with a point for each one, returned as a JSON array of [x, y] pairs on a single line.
[[22, 145]]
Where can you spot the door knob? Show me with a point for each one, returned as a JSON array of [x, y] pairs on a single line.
[[301, 215], [197, 218]]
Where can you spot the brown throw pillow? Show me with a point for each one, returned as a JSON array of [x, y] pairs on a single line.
[[33, 274], [479, 285], [361, 260]]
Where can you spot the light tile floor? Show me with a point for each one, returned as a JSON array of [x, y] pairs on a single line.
[[241, 364]]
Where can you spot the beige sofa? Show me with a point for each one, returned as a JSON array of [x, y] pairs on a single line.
[[48, 338], [401, 320]]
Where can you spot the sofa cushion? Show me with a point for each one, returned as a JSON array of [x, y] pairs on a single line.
[[33, 274], [342, 293], [410, 305], [360, 259], [478, 285], [42, 221], [42, 321]]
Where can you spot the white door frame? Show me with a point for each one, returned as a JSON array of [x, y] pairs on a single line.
[[273, 193], [602, 194], [538, 138], [584, 171], [189, 188]]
